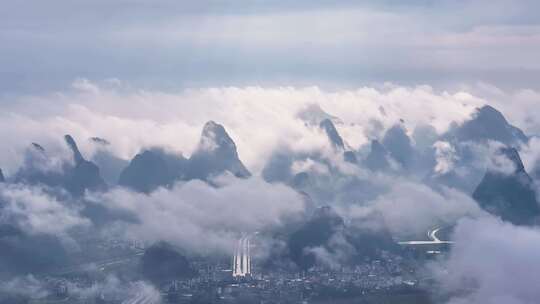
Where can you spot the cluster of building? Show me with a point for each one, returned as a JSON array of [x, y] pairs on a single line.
[[242, 280], [221, 284]]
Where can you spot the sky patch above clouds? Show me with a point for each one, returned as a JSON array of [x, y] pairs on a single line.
[[171, 44]]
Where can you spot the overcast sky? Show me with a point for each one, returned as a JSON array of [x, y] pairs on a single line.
[[150, 73], [45, 45]]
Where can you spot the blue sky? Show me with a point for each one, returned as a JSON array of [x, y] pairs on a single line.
[[176, 44]]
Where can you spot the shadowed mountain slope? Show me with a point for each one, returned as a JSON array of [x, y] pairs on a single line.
[[509, 195]]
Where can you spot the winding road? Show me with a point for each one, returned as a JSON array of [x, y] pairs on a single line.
[[433, 239]]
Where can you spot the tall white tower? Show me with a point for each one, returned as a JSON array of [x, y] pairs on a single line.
[[242, 258]]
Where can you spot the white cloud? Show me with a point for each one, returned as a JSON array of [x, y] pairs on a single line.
[[410, 209], [114, 288], [309, 165], [518, 105], [530, 154], [491, 262], [111, 287], [201, 218], [258, 119], [35, 211], [27, 286], [445, 155]]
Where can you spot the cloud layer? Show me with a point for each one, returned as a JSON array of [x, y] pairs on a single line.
[[203, 219], [492, 262], [34, 211], [258, 119]]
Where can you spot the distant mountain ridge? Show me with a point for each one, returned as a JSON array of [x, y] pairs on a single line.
[[215, 154], [510, 196], [75, 177]]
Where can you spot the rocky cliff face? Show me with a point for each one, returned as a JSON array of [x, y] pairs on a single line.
[[151, 169], [215, 154], [377, 158], [161, 262], [331, 132], [487, 123], [84, 175], [399, 145], [76, 177], [509, 195]]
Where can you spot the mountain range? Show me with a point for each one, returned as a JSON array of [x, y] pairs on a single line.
[[216, 153], [507, 194]]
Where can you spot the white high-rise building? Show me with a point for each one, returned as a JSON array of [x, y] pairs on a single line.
[[241, 264]]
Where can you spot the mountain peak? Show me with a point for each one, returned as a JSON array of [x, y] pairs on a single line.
[[335, 139], [162, 262], [377, 158], [100, 141], [77, 156], [489, 112], [398, 144], [215, 154], [487, 123], [151, 169], [313, 114], [211, 125], [84, 175], [214, 137], [38, 147], [2, 179], [74, 178]]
